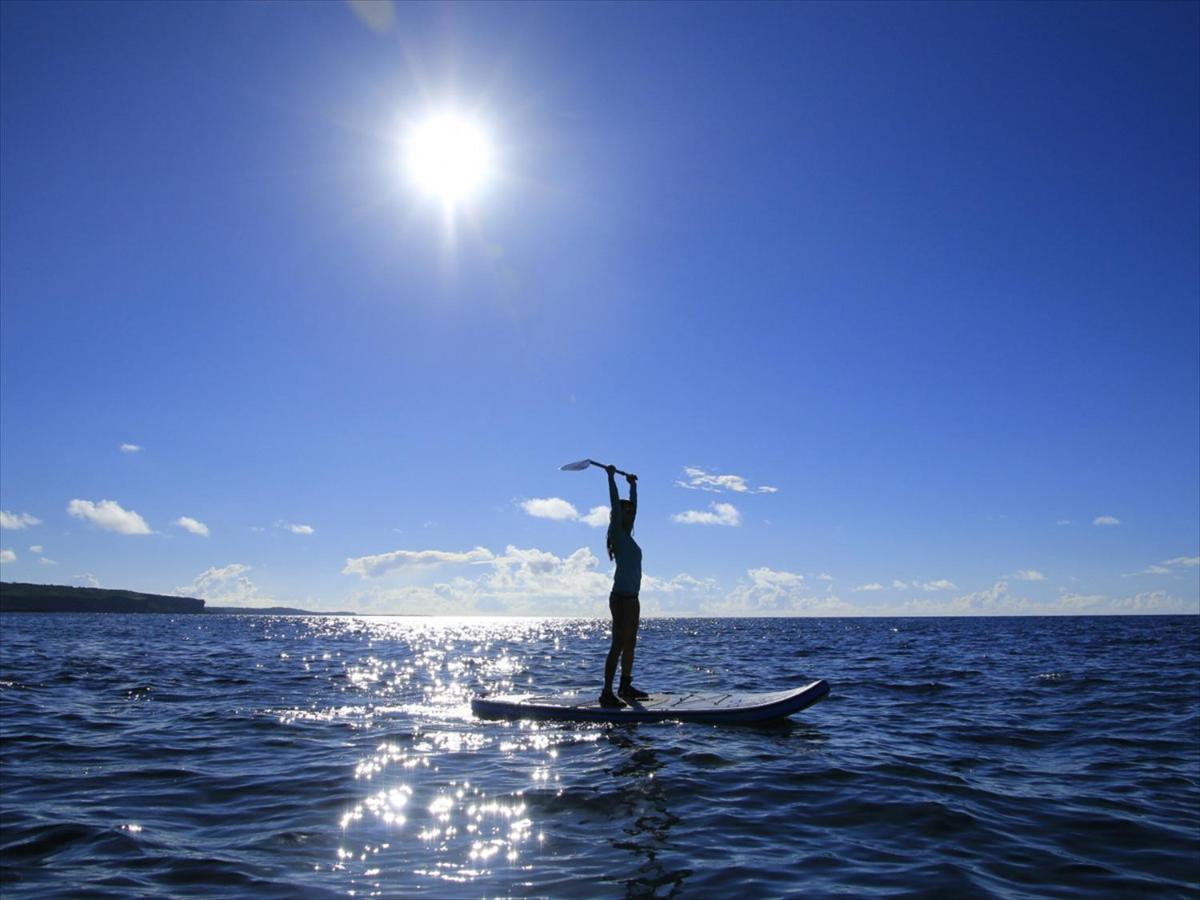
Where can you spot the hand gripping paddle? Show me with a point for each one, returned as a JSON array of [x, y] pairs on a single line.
[[583, 464]]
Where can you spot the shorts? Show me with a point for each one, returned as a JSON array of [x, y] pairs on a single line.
[[620, 603]]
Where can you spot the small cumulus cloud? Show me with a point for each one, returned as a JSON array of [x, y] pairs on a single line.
[[598, 517], [131, 448], [698, 479], [1028, 575], [940, 584], [187, 523], [1106, 520], [300, 529], [717, 514], [550, 508], [381, 563], [44, 561], [87, 579], [7, 556], [35, 548], [17, 521], [109, 515], [1063, 522], [559, 510]]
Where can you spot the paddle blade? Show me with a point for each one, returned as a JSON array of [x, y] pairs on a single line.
[[576, 466]]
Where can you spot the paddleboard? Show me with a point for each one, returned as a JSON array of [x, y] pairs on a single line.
[[695, 706]]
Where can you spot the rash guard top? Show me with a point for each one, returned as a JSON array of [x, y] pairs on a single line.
[[628, 578]]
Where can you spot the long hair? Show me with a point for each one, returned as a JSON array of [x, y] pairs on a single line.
[[612, 552]]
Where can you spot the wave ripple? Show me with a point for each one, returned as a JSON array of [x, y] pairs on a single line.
[[318, 756]]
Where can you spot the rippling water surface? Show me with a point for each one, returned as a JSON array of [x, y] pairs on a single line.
[[325, 756]]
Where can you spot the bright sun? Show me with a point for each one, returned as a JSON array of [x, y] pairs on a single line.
[[449, 157]]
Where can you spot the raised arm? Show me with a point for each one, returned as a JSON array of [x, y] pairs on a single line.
[[613, 496], [633, 491]]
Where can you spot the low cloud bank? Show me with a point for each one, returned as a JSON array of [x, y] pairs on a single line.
[[531, 581], [226, 586]]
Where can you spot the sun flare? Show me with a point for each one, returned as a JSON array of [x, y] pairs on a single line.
[[449, 157]]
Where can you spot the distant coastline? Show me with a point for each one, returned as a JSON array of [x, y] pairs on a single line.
[[20, 597], [54, 598]]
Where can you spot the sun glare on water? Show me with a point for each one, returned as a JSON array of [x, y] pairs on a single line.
[[449, 158]]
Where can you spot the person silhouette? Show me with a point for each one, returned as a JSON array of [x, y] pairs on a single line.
[[623, 601]]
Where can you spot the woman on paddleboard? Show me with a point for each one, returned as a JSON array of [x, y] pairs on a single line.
[[623, 601]]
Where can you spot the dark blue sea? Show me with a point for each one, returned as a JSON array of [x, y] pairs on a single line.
[[214, 755]]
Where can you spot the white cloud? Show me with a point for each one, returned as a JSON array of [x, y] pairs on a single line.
[[1106, 520], [1166, 567], [381, 563], [771, 592], [521, 581], [873, 586], [7, 556], [187, 523], [531, 581], [1185, 561], [109, 515], [598, 517], [700, 480], [721, 514], [17, 521], [998, 600], [1029, 575], [131, 448], [43, 561], [225, 586], [550, 508], [899, 585], [300, 529], [1063, 522], [35, 548], [560, 510], [941, 584], [87, 579]]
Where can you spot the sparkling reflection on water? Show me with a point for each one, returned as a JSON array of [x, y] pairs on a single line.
[[323, 756], [415, 815]]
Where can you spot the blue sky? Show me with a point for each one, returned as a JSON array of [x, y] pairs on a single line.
[[928, 270]]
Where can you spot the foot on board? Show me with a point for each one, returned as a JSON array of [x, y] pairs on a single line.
[[629, 692], [609, 700]]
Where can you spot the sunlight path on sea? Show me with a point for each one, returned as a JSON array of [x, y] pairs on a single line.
[[428, 800]]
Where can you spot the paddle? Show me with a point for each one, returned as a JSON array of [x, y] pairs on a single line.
[[583, 464]]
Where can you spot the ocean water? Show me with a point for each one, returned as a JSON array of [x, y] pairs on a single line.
[[146, 755]]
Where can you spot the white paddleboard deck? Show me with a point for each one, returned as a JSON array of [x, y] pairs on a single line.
[[687, 707]]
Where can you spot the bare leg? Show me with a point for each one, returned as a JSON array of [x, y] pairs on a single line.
[[610, 661], [629, 643]]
